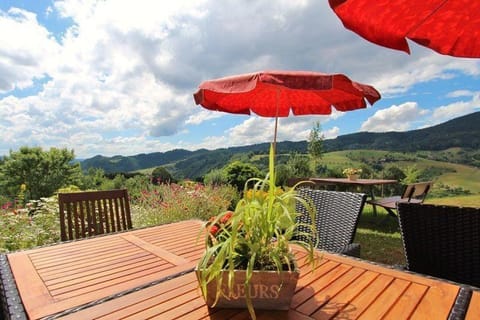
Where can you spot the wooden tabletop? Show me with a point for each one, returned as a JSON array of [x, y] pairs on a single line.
[[147, 273], [340, 288], [360, 182], [55, 278]]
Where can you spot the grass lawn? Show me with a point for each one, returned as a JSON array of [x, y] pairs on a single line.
[[379, 237]]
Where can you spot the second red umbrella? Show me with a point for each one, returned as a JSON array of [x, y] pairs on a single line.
[[450, 27]]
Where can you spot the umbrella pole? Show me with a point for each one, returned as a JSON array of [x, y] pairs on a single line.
[[275, 134], [276, 123]]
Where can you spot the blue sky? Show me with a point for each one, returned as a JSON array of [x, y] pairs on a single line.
[[117, 77]]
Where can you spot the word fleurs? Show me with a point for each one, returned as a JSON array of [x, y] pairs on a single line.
[[257, 291]]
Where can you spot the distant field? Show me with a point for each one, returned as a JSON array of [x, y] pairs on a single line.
[[463, 201], [465, 177]]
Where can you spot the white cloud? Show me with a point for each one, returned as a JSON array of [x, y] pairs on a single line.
[[27, 49], [394, 118], [456, 109], [460, 93], [331, 133], [202, 116]]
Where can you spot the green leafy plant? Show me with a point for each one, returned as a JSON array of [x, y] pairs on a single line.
[[255, 236]]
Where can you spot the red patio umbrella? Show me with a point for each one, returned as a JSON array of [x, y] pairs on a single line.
[[276, 93], [450, 27]]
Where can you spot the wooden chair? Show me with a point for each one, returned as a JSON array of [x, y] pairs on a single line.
[[412, 193], [337, 215], [442, 241], [85, 214]]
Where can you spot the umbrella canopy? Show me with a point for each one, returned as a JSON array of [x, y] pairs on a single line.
[[450, 27], [276, 93]]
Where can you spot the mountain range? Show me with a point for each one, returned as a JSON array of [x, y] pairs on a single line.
[[462, 132]]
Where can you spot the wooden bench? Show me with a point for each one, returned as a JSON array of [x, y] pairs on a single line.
[[412, 193]]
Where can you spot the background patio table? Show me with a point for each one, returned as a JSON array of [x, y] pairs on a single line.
[[365, 184], [148, 273]]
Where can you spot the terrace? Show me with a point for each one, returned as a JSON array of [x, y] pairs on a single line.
[[149, 271]]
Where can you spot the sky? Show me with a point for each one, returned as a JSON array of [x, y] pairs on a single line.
[[115, 77]]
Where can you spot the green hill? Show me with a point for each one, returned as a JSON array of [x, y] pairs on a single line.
[[461, 132], [456, 141]]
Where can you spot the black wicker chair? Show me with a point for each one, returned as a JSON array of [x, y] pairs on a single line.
[[442, 241], [337, 215]]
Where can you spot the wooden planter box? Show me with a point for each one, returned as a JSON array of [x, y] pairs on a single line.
[[268, 290]]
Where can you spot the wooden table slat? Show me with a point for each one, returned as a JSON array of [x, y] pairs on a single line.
[[340, 304], [126, 260], [383, 303], [437, 301], [361, 303], [473, 311], [408, 302], [158, 251], [317, 290], [143, 299]]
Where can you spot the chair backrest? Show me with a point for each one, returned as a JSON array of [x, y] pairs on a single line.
[[85, 214], [337, 215], [417, 191], [442, 241]]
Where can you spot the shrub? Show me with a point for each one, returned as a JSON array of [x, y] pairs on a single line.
[[35, 225], [238, 173], [168, 203], [215, 177], [161, 175]]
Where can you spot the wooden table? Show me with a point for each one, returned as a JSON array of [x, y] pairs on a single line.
[[147, 274], [365, 184]]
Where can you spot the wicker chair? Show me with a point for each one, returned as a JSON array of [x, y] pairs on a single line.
[[337, 215], [442, 241], [90, 213]]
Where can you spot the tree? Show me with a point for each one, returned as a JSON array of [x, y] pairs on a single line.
[[40, 173], [283, 173], [93, 179], [238, 173], [215, 177], [161, 175], [315, 142], [298, 166]]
